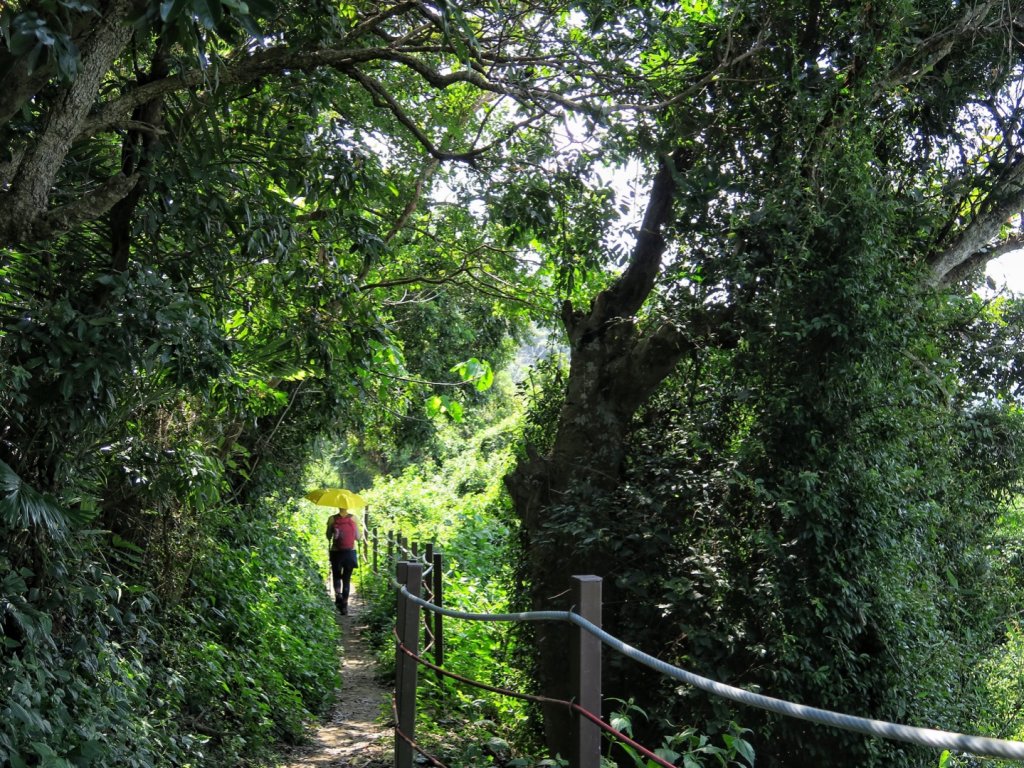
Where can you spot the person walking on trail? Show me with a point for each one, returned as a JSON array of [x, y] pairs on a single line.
[[342, 533]]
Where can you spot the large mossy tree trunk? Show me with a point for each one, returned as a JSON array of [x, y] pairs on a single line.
[[561, 498]]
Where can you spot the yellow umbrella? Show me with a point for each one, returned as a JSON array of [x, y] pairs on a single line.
[[336, 497]]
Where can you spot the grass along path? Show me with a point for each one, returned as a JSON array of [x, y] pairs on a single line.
[[352, 735]]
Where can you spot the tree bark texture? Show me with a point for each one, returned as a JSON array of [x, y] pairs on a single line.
[[25, 202]]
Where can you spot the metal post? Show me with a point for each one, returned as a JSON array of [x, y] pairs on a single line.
[[428, 595], [408, 620], [439, 602], [364, 540], [428, 559], [585, 670]]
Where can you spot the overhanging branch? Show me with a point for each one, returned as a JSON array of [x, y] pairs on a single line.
[[978, 242], [272, 61], [86, 208], [628, 293], [980, 259], [384, 98]]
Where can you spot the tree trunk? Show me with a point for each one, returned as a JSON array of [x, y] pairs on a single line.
[[136, 154], [26, 201], [614, 368]]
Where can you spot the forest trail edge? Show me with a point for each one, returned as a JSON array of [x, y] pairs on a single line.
[[352, 735]]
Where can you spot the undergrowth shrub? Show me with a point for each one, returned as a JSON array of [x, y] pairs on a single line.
[[260, 628], [77, 681], [97, 671]]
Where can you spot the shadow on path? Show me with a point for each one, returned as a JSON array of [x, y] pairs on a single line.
[[353, 735]]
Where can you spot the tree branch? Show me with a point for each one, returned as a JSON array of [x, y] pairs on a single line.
[[694, 89], [975, 244], [26, 200], [372, 22], [272, 61], [19, 85], [980, 259], [627, 294], [928, 53], [8, 168], [658, 352], [281, 59], [416, 280], [380, 93], [91, 206], [137, 149]]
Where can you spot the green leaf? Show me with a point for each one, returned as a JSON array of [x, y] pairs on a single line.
[[44, 750], [454, 409], [122, 543], [209, 13], [23, 507], [477, 371], [633, 754], [171, 9], [622, 723], [433, 405], [743, 748], [667, 754]]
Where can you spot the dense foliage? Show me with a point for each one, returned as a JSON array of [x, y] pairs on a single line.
[[890, 547], [771, 420], [110, 663], [235, 234], [193, 292]]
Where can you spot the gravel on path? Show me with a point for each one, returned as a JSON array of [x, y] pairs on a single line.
[[358, 731]]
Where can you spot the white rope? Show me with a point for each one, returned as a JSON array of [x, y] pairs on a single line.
[[926, 737]]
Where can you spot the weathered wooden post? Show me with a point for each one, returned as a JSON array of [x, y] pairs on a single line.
[[585, 670], [375, 547], [438, 600], [410, 575]]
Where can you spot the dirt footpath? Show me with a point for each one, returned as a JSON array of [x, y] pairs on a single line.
[[352, 736]]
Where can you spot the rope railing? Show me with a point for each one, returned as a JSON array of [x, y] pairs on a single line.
[[981, 746], [398, 546], [595, 719], [411, 741]]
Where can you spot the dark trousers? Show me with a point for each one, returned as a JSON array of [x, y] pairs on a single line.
[[343, 561]]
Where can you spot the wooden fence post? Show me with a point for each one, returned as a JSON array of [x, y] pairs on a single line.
[[410, 575], [585, 670], [375, 547], [438, 600]]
